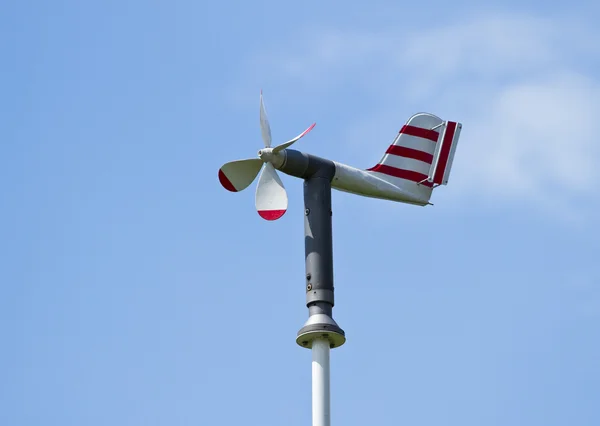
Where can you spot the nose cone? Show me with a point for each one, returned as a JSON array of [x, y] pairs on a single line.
[[266, 154]]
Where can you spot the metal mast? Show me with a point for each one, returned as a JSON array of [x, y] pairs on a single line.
[[320, 333]]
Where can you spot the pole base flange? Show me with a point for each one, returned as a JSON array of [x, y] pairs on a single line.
[[321, 327]]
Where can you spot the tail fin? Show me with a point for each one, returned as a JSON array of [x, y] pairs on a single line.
[[420, 158]]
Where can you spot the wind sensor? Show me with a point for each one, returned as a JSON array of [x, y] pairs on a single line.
[[418, 160]]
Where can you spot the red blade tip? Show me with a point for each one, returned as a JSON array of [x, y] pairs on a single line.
[[271, 214], [226, 182]]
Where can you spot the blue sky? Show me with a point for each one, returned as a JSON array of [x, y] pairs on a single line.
[[137, 291]]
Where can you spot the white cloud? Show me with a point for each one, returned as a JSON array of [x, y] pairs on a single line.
[[521, 86], [536, 133]]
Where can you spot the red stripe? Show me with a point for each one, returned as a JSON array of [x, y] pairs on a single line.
[[402, 151], [401, 173], [226, 182], [271, 214], [446, 145], [419, 132]]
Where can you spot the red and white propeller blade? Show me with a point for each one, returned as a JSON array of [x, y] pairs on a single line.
[[271, 198], [290, 142], [265, 128], [237, 175]]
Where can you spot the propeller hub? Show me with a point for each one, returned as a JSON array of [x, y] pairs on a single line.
[[266, 154]]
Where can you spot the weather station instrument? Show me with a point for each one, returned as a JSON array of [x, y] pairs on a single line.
[[418, 161]]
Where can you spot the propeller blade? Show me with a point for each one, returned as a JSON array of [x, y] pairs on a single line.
[[237, 175], [290, 142], [265, 128], [271, 198]]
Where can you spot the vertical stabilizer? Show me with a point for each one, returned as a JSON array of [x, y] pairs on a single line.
[[420, 157]]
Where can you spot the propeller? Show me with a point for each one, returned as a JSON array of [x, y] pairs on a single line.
[[271, 198]]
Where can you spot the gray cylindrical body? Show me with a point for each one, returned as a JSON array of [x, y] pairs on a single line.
[[318, 241]]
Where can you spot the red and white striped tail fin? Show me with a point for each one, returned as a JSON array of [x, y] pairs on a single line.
[[420, 158]]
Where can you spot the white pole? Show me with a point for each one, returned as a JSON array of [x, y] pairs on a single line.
[[320, 383]]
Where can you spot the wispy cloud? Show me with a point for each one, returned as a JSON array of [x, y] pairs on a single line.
[[522, 86]]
